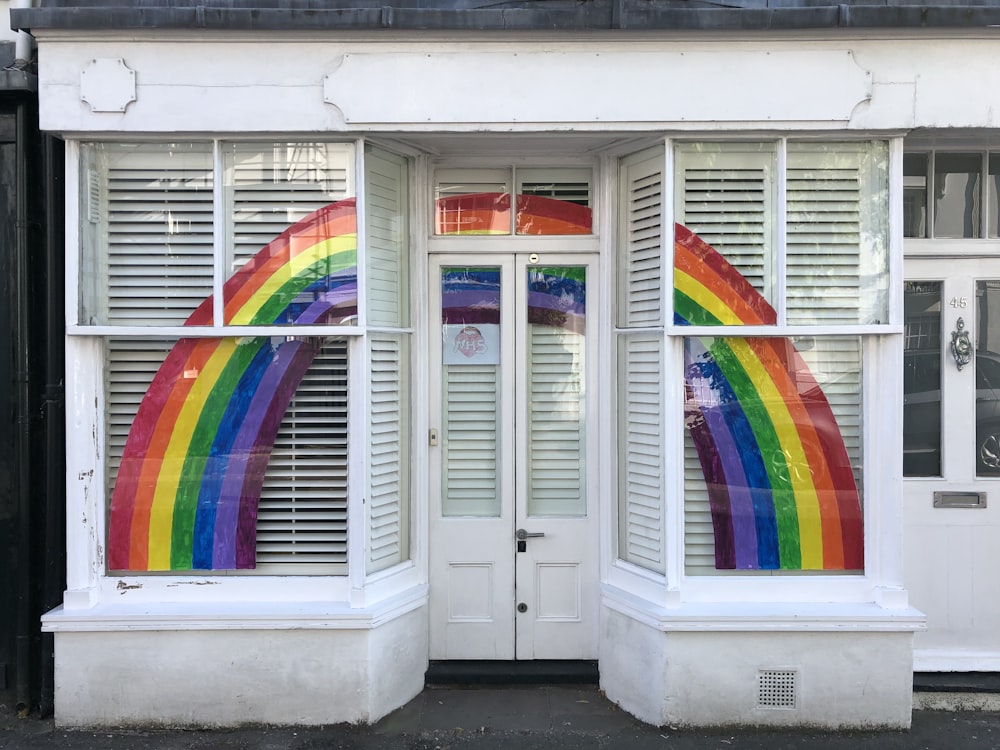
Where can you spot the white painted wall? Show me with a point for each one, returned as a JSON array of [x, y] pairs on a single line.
[[292, 85]]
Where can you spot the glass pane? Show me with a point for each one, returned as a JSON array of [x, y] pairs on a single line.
[[837, 204], [198, 442], [556, 346], [993, 187], [915, 195], [472, 201], [553, 201], [957, 199], [293, 234], [922, 379], [147, 233], [773, 454], [724, 197], [988, 378], [470, 353]]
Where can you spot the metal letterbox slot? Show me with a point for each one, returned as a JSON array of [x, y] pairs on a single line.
[[959, 499]]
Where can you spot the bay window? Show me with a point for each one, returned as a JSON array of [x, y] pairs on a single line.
[[779, 273], [222, 279]]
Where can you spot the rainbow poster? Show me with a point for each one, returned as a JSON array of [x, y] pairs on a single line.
[[193, 465], [781, 488]]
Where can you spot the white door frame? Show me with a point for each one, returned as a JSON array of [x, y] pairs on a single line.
[[550, 588]]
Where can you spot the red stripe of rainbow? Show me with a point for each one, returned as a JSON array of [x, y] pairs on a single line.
[[780, 483]]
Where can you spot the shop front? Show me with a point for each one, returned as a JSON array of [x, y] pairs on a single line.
[[385, 351]]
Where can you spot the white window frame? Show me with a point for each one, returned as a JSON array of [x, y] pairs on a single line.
[[881, 351], [172, 594]]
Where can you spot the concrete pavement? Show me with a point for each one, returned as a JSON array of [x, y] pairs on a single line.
[[516, 717]]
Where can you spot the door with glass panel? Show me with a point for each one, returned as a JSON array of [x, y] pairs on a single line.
[[951, 401], [513, 534]]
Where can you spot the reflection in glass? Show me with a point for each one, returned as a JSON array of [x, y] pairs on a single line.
[[557, 307], [987, 377], [915, 195], [957, 201], [993, 186], [922, 379]]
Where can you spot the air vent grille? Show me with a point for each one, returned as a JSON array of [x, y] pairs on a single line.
[[776, 688]]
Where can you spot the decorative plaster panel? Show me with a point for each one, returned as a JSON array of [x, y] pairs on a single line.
[[597, 87], [107, 85]]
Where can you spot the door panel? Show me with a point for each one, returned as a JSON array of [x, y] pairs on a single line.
[[510, 404], [951, 490]]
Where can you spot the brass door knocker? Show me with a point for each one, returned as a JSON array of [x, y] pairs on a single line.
[[961, 347]]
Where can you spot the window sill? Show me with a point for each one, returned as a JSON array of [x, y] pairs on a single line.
[[117, 616]]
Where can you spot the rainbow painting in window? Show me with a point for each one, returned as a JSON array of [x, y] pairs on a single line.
[[780, 483], [193, 465]]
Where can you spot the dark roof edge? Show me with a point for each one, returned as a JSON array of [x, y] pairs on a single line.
[[592, 16]]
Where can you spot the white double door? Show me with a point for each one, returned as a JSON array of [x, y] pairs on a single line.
[[513, 528], [951, 462]]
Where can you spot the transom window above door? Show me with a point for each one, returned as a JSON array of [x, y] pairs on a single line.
[[513, 200]]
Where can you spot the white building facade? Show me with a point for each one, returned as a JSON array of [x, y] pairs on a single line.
[[395, 339]]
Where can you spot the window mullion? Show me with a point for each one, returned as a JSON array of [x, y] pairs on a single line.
[[781, 236], [218, 235]]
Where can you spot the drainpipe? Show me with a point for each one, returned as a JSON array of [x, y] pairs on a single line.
[[23, 42], [22, 446], [54, 550]]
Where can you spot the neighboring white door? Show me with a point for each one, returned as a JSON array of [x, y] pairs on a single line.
[[513, 530], [952, 459]]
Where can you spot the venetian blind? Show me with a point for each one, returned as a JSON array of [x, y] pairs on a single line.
[[388, 451], [151, 213]]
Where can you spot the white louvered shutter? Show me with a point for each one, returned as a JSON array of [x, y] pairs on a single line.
[[386, 236], [725, 194], [469, 440], [556, 455], [388, 451], [837, 246], [640, 450], [149, 211], [641, 531]]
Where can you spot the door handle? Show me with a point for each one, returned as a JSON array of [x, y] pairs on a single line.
[[522, 534]]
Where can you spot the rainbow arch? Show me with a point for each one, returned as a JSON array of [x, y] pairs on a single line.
[[193, 466], [781, 488]]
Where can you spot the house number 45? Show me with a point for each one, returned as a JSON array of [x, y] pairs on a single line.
[[959, 302]]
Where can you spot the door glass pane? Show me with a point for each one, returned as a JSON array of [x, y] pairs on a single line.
[[915, 195], [553, 201], [957, 202], [470, 354], [556, 348], [987, 378], [922, 379]]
